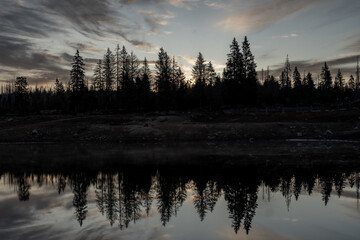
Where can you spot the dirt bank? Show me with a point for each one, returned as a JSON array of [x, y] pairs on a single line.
[[182, 127]]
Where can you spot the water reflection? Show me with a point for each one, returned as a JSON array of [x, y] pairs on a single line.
[[126, 194]]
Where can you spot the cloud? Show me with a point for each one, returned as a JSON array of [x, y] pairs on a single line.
[[176, 3], [293, 35], [346, 64], [261, 15], [155, 20], [26, 21], [353, 43], [85, 47]]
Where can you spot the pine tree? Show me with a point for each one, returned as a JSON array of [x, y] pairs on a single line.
[[163, 72], [109, 70], [133, 66], [143, 85], [309, 81], [351, 83], [118, 67], [250, 81], [286, 80], [339, 80], [180, 76], [124, 67], [199, 71], [99, 77], [77, 73], [235, 69], [210, 75], [174, 79], [326, 79], [297, 79], [21, 85], [59, 87]]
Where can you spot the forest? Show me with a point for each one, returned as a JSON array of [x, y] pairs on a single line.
[[123, 83]]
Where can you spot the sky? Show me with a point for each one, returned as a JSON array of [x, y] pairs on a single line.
[[38, 38]]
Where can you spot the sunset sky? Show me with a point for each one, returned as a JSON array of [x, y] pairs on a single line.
[[39, 37]]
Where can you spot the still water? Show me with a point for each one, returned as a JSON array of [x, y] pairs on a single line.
[[64, 196]]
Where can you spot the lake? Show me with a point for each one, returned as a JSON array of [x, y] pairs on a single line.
[[223, 191]]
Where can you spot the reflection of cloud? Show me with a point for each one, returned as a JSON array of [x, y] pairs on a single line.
[[162, 236], [256, 233], [264, 14]]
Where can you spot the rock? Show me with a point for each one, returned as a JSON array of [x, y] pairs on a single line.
[[299, 134], [34, 132], [10, 119]]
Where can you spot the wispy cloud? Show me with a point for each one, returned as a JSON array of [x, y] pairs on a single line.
[[261, 15], [155, 20], [346, 64], [293, 35]]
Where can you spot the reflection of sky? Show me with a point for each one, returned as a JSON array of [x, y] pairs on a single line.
[[48, 215], [41, 42]]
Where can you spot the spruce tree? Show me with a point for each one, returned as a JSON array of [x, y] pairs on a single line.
[[210, 75], [98, 83], [234, 75], [326, 79], [199, 71], [297, 79], [285, 79], [250, 82], [339, 80], [109, 70], [163, 72], [124, 67], [21, 85], [351, 83], [163, 80], [133, 67], [77, 73], [309, 81], [118, 67], [59, 87]]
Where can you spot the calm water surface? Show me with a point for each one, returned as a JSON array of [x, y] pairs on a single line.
[[64, 197]]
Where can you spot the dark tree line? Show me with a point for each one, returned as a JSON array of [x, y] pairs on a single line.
[[122, 82]]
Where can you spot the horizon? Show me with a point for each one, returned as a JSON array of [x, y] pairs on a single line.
[[41, 47]]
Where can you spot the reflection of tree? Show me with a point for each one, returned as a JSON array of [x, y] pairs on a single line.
[[100, 193], [286, 188], [339, 182], [241, 196], [132, 203], [80, 187], [61, 184], [171, 195], [206, 196], [326, 184], [123, 196], [110, 200], [23, 189]]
